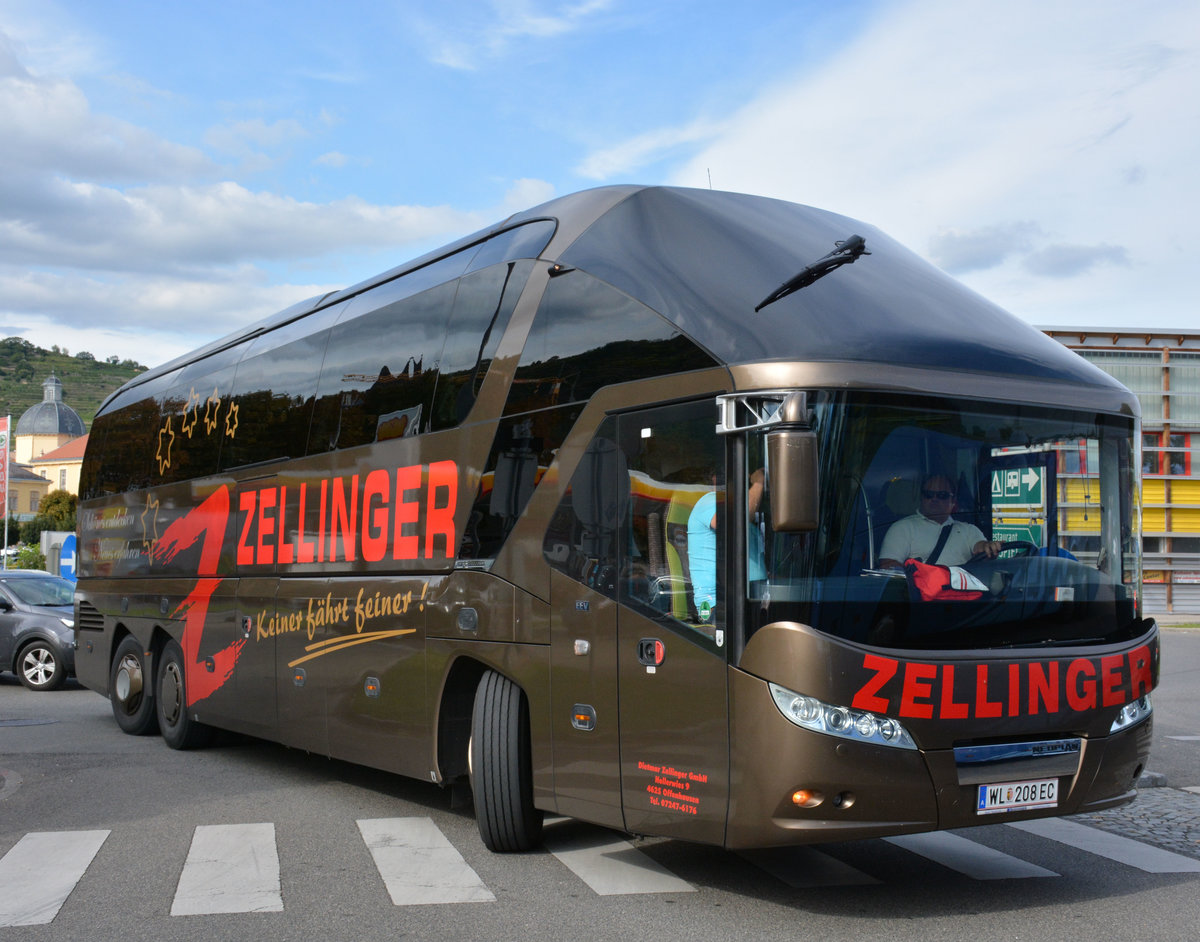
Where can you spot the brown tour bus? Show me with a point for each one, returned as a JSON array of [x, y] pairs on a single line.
[[682, 512]]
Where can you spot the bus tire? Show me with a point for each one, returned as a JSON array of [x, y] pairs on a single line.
[[502, 775], [179, 730], [129, 689]]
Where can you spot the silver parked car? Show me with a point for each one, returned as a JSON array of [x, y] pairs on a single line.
[[37, 627]]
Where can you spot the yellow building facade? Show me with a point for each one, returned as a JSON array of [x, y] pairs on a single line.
[[1163, 369]]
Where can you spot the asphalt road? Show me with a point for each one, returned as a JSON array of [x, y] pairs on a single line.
[[337, 840]]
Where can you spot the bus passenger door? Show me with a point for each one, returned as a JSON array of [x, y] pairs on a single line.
[[671, 642], [581, 547]]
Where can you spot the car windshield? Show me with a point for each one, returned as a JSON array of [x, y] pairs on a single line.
[[42, 590], [1049, 495]]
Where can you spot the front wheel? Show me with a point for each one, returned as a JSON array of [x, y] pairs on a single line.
[[501, 770], [178, 728], [39, 667]]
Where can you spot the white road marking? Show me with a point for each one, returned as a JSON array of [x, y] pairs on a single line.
[[614, 867], [419, 864], [968, 857], [1111, 846], [1185, 738], [40, 871], [806, 868], [231, 868]]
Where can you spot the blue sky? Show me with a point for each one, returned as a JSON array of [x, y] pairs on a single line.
[[169, 172]]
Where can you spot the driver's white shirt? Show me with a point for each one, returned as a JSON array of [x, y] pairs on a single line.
[[915, 536]]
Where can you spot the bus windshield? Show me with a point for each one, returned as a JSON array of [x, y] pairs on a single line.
[[955, 525]]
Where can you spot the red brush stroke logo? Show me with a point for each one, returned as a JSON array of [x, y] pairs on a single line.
[[206, 523]]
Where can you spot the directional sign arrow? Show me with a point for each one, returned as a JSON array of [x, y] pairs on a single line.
[[1030, 478]]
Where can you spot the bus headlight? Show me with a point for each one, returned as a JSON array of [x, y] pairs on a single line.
[[1132, 713], [855, 725]]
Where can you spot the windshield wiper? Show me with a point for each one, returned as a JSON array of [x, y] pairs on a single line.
[[846, 252]]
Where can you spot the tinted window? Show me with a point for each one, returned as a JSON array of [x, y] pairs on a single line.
[[273, 391], [523, 242], [484, 303], [523, 449], [581, 539], [587, 335], [123, 442], [675, 544], [381, 367], [200, 415]]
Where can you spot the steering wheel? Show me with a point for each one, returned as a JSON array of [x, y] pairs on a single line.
[[1025, 548]]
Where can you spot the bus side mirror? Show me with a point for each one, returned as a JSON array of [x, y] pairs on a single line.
[[795, 497]]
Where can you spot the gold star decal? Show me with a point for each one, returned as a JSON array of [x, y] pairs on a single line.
[[166, 438], [231, 420], [149, 524], [212, 407], [191, 414]]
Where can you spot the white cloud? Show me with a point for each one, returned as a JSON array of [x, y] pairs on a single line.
[[105, 223], [158, 317], [956, 125], [464, 36], [1066, 261], [243, 137], [48, 127], [959, 251], [522, 194], [631, 155]]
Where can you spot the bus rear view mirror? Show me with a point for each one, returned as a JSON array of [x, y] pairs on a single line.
[[795, 496]]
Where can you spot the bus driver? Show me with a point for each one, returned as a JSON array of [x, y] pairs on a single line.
[[932, 535]]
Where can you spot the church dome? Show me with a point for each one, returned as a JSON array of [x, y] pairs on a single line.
[[51, 416]]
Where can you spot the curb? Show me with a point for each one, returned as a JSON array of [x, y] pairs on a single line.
[[1152, 780]]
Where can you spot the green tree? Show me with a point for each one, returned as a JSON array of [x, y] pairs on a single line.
[[29, 557], [55, 512]]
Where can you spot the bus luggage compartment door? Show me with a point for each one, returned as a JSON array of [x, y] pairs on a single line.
[[583, 666]]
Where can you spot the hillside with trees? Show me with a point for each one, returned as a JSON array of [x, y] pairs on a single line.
[[86, 381]]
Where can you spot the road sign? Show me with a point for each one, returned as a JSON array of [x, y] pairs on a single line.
[[66, 559], [1018, 486], [1007, 533]]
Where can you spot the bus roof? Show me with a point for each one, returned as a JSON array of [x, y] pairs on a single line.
[[705, 259]]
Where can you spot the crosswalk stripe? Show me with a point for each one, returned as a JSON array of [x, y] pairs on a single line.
[[419, 864], [41, 870], [1112, 846], [805, 868], [614, 867], [968, 857], [230, 868]]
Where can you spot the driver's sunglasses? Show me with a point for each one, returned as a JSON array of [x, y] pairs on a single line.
[[937, 495]]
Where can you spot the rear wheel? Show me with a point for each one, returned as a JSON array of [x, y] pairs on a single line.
[[129, 689], [39, 667], [501, 772], [178, 728]]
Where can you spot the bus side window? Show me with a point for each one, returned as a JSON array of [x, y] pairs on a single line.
[[587, 335], [675, 549], [581, 539], [199, 399], [273, 388], [381, 366], [482, 307]]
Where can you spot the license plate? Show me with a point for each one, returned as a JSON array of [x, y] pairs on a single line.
[[1017, 796]]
